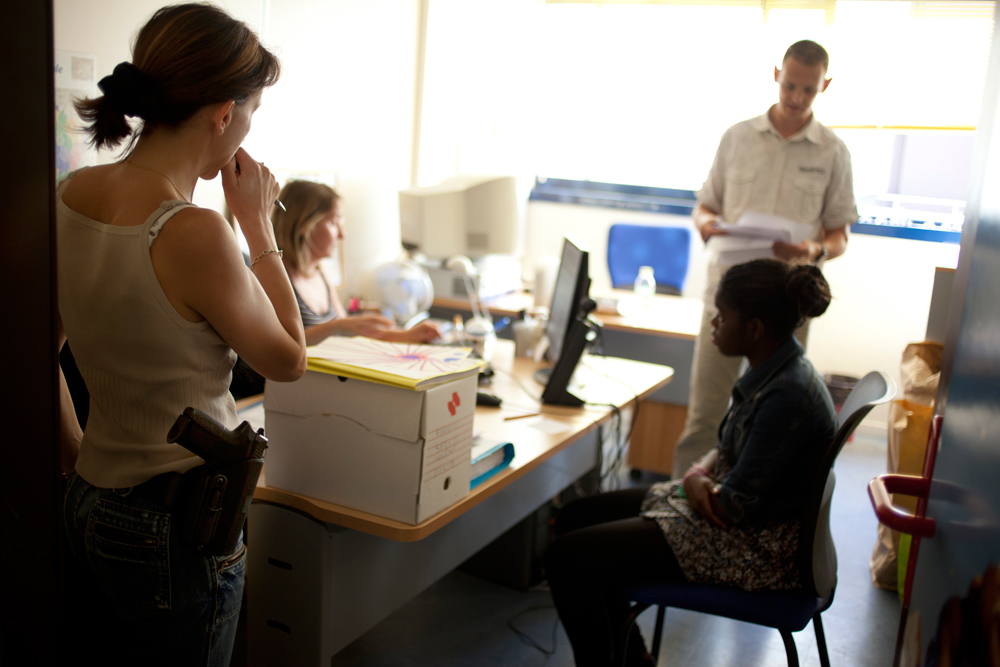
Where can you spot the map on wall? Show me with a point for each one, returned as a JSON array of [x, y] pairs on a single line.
[[75, 77]]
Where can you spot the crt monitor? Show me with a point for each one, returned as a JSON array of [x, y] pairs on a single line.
[[572, 287], [472, 215]]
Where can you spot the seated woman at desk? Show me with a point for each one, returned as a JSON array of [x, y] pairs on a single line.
[[734, 518], [309, 231]]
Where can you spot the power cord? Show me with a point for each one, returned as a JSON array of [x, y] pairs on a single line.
[[528, 639], [607, 476], [531, 395]]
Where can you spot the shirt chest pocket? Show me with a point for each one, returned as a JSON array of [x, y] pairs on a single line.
[[739, 188], [808, 196]]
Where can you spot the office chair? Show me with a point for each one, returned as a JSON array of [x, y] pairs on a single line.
[[666, 249], [785, 611]]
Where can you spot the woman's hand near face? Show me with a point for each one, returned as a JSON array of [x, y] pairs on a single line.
[[700, 491], [250, 191], [254, 310]]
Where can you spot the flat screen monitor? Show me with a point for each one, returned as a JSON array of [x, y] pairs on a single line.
[[572, 286]]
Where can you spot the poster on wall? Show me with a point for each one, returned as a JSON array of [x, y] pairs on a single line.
[[75, 77]]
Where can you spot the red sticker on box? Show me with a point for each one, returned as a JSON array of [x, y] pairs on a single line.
[[455, 399]]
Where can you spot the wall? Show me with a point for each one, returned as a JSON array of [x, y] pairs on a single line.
[[881, 286], [343, 107], [932, 165]]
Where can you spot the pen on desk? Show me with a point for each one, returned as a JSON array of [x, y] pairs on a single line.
[[526, 414]]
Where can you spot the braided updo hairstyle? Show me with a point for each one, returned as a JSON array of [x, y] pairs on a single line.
[[185, 58], [781, 295]]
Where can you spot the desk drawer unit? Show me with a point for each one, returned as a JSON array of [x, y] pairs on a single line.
[[313, 588]]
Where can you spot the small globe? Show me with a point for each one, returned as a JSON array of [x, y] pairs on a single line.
[[406, 290]]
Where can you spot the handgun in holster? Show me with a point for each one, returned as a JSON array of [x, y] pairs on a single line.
[[215, 496]]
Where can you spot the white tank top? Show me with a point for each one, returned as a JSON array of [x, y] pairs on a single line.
[[143, 363]]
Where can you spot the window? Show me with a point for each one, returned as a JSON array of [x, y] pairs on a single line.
[[640, 93]]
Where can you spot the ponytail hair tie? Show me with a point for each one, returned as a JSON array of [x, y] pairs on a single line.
[[130, 90]]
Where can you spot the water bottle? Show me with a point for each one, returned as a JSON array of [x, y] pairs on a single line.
[[645, 285]]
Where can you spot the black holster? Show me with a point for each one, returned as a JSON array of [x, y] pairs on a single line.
[[214, 498]]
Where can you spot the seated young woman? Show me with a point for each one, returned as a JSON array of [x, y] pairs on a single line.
[[734, 518], [309, 230]]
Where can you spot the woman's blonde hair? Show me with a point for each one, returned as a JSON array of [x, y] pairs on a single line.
[[306, 203]]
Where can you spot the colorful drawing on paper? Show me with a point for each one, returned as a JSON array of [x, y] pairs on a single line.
[[75, 77], [392, 357]]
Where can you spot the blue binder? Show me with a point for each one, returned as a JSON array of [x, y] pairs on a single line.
[[490, 461]]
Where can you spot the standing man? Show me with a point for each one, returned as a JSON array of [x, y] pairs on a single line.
[[784, 163]]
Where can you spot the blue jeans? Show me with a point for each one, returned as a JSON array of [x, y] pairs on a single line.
[[156, 601]]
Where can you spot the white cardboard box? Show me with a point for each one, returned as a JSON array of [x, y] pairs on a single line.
[[393, 452]]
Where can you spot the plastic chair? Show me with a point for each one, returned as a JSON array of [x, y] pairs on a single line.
[[785, 611], [666, 249]]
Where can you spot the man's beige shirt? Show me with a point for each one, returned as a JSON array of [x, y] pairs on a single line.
[[806, 178]]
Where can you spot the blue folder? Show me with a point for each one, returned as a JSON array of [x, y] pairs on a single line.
[[500, 462]]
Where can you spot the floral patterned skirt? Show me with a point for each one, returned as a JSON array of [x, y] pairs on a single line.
[[752, 558]]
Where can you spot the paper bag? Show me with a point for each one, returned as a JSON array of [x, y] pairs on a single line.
[[909, 425]]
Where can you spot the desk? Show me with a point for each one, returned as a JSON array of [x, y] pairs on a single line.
[[662, 334], [321, 575]]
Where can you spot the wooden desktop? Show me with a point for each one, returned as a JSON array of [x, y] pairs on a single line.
[[320, 575], [663, 333]]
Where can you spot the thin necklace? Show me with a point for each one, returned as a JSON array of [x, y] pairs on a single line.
[[159, 173]]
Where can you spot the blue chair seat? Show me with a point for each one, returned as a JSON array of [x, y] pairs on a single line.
[[784, 610]]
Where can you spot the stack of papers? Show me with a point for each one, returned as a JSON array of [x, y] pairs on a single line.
[[404, 365], [752, 236]]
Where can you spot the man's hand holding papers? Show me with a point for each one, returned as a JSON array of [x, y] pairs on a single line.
[[759, 236]]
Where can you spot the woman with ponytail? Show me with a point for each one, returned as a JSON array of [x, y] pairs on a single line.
[[734, 518], [157, 302]]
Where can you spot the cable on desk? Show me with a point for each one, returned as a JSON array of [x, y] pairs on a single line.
[[542, 408], [537, 399], [528, 639]]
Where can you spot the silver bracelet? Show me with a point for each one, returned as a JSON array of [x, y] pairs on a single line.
[[256, 259]]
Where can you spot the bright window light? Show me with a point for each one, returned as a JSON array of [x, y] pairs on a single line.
[[641, 93]]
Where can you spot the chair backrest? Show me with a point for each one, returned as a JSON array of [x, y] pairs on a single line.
[[817, 554], [666, 249]]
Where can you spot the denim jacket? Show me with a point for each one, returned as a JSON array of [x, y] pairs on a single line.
[[774, 435]]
